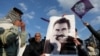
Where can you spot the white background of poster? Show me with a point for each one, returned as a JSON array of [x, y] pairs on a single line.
[[53, 19]]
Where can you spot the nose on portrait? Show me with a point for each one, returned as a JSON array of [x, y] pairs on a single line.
[[60, 33]]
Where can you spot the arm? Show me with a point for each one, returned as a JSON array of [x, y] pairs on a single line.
[[81, 51], [80, 48], [23, 34], [95, 33]]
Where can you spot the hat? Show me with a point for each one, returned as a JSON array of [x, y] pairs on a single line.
[[14, 14]]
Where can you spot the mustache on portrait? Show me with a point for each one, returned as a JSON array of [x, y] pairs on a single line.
[[57, 36], [69, 39]]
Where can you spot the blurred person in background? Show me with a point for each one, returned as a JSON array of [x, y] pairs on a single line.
[[35, 47]]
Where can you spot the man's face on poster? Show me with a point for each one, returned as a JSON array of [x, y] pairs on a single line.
[[61, 31]]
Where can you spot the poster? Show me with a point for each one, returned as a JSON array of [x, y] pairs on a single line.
[[59, 37]]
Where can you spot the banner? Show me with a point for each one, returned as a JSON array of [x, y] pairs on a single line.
[[59, 37]]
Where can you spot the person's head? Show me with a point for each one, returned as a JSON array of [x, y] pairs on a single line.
[[15, 15], [61, 27], [17, 11], [37, 37]]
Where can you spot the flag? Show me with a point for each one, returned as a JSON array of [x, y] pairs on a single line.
[[82, 7], [45, 19]]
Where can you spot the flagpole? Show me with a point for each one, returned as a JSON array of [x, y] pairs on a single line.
[[82, 20]]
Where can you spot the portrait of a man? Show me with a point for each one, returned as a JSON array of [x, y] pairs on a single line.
[[59, 41], [61, 29]]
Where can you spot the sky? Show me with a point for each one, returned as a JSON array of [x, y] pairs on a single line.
[[35, 9]]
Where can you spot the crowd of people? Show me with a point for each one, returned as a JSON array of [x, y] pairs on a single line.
[[14, 38]]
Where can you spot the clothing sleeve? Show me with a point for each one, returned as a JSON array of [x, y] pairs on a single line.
[[81, 51], [80, 48], [95, 33], [23, 36]]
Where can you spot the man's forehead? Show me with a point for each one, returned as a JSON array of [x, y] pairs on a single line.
[[37, 33]]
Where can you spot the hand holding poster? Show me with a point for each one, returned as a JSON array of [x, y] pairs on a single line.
[[59, 38], [82, 7]]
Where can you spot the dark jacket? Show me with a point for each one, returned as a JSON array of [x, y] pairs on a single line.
[[94, 32], [82, 51], [34, 48], [67, 48]]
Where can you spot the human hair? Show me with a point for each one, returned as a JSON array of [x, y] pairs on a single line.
[[63, 20], [37, 33]]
